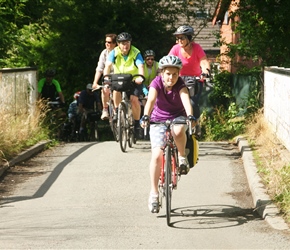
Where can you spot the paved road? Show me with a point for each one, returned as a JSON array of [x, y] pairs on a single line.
[[94, 196]]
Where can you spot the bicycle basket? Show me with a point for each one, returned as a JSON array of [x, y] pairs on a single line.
[[122, 82]]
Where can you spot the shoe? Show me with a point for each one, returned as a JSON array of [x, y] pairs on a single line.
[[183, 165], [115, 116], [136, 132], [153, 203], [105, 114]]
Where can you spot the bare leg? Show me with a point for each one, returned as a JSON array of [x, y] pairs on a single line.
[[155, 168], [136, 108], [179, 135]]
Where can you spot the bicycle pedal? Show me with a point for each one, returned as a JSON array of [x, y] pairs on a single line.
[[155, 208]]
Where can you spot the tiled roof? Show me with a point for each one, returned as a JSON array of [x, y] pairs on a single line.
[[206, 37]]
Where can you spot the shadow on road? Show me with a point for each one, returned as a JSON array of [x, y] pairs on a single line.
[[49, 181], [210, 216]]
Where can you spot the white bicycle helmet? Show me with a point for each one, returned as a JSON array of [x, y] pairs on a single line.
[[184, 30], [170, 61]]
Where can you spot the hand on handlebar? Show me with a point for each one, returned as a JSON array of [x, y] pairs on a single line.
[[139, 80], [207, 75], [144, 121], [193, 120]]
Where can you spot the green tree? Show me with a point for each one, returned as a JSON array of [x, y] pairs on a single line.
[[69, 34], [264, 32]]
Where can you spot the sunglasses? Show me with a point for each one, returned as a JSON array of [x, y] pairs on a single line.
[[108, 42], [149, 59], [180, 38]]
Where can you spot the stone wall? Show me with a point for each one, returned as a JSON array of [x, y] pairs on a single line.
[[277, 102], [18, 89]]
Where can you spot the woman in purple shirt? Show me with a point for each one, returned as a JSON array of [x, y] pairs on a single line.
[[168, 98]]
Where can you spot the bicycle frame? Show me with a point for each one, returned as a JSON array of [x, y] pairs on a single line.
[[174, 158]]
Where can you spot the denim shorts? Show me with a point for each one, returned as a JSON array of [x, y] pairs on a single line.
[[157, 134]]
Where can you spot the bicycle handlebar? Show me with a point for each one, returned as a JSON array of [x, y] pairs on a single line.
[[54, 103], [168, 123], [109, 76]]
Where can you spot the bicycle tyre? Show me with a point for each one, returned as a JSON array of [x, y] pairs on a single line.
[[96, 131], [113, 124], [168, 183], [130, 129], [122, 127]]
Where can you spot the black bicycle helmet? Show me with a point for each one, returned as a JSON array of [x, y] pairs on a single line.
[[124, 36], [170, 61], [50, 73], [184, 30], [149, 52]]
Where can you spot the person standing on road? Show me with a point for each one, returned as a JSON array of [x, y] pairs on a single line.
[[194, 61], [127, 59], [168, 99], [49, 88], [110, 44]]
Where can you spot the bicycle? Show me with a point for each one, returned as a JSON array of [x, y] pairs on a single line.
[[112, 122], [195, 85], [125, 122], [91, 132], [170, 172], [55, 117]]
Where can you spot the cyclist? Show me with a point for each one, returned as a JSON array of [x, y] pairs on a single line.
[[73, 112], [126, 58], [110, 44], [168, 99], [151, 69], [194, 62], [89, 102], [49, 88]]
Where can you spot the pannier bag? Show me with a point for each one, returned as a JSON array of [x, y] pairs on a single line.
[[122, 82], [192, 149]]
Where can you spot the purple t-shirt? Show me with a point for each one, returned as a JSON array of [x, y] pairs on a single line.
[[168, 104]]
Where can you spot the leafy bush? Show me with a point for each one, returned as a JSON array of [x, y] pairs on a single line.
[[227, 119], [222, 124]]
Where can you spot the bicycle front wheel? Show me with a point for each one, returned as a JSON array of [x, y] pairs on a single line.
[[122, 127], [168, 183], [96, 131], [113, 124], [131, 136]]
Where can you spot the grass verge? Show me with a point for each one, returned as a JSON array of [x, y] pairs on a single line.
[[19, 132], [273, 162]]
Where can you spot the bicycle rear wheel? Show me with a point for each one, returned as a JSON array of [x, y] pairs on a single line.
[[168, 183], [122, 127]]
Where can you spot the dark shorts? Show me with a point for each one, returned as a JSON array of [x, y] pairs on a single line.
[[136, 90]]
